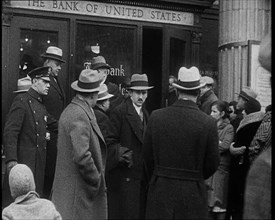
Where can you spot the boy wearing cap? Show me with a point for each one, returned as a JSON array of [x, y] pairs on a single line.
[[25, 130], [27, 204], [79, 189], [180, 150], [55, 104], [207, 96], [127, 185]]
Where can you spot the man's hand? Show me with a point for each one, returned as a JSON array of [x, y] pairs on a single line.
[[236, 150]]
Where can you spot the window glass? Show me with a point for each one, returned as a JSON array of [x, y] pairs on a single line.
[[115, 44], [33, 43]]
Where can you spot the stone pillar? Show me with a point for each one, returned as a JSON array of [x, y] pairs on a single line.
[[239, 21], [195, 48]]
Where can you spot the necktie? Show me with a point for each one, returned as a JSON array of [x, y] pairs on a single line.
[[141, 115]]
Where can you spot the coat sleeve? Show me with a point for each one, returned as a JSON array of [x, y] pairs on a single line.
[[227, 140], [80, 134], [212, 159], [148, 150], [13, 128]]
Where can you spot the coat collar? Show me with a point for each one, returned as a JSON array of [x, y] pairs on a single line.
[[251, 118], [186, 103], [90, 113], [55, 84], [34, 94], [206, 95], [29, 195]]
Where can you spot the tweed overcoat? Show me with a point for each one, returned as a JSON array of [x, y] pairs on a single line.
[[55, 104], [206, 100], [180, 151], [126, 193], [25, 137], [79, 189]]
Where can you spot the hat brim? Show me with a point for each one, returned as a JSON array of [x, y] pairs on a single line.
[[53, 58], [140, 87], [21, 90], [100, 65], [187, 88], [77, 88], [105, 97]]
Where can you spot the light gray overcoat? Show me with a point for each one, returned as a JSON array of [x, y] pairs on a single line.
[[79, 189]]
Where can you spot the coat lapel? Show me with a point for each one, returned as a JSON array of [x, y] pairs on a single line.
[[134, 120], [56, 86]]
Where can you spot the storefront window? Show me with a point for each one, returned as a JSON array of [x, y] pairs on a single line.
[[115, 44], [33, 44]]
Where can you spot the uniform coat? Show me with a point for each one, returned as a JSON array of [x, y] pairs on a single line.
[[55, 104], [25, 137], [126, 192], [79, 190], [218, 183], [180, 151], [206, 100]]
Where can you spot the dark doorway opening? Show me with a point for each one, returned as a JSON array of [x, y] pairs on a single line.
[[152, 65]]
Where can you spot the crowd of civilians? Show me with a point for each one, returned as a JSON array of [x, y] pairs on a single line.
[[103, 156]]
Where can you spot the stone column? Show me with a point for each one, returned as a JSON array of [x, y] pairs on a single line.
[[195, 47], [239, 21]]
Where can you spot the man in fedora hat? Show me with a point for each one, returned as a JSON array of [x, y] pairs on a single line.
[[180, 150], [23, 84], [99, 63], [55, 104], [207, 96], [126, 198], [26, 128], [79, 189]]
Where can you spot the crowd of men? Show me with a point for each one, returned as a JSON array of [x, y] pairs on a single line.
[[104, 157]]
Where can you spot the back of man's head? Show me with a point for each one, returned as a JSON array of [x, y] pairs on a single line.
[[21, 180]]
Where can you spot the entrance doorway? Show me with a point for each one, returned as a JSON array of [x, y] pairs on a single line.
[[152, 65]]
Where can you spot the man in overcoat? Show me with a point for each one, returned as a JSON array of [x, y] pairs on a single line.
[[55, 104], [180, 150], [25, 131], [207, 96], [79, 189], [126, 191]]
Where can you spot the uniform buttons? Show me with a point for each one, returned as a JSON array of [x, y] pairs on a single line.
[[127, 179], [37, 145], [36, 123], [37, 135], [30, 101], [34, 112]]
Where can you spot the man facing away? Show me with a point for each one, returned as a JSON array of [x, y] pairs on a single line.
[[207, 96], [79, 189], [25, 130], [180, 150], [127, 186], [55, 104]]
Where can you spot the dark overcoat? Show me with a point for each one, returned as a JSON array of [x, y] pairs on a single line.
[[25, 137], [79, 189], [55, 104], [206, 100], [180, 151], [126, 192]]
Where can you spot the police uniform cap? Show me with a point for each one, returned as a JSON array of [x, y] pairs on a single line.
[[40, 72]]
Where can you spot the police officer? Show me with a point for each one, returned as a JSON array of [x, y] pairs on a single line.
[[26, 130]]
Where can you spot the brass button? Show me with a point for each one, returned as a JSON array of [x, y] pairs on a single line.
[[127, 179]]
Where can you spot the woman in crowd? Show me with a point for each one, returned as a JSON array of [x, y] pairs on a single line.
[[218, 183]]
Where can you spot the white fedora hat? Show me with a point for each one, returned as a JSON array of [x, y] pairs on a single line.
[[188, 79], [54, 53], [139, 82], [23, 84], [103, 93], [88, 81]]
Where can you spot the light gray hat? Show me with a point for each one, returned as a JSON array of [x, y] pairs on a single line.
[[21, 180]]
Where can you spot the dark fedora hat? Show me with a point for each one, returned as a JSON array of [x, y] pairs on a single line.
[[139, 82], [99, 62], [41, 72], [53, 53], [88, 81], [189, 79]]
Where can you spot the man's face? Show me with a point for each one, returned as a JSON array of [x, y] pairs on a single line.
[[55, 65], [41, 86], [203, 90], [102, 74], [138, 96], [232, 114], [240, 104]]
